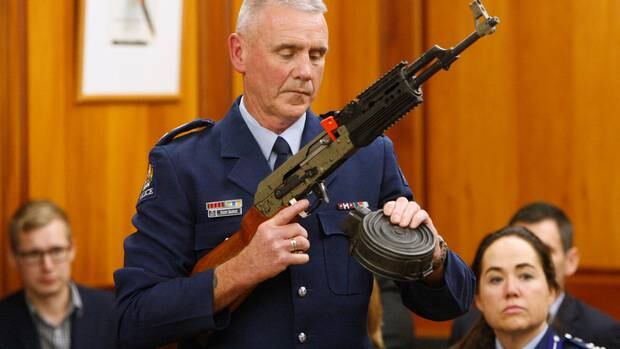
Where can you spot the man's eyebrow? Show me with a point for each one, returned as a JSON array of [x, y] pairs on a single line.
[[294, 47], [286, 46], [321, 49]]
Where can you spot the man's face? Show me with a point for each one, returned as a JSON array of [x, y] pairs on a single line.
[[43, 258], [549, 233], [282, 56]]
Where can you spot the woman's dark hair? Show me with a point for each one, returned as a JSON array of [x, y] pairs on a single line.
[[481, 336]]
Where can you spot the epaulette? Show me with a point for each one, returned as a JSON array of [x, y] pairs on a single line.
[[189, 127], [579, 343]]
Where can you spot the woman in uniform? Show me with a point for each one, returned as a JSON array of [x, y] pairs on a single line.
[[516, 286]]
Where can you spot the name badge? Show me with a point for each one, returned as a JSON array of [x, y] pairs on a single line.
[[225, 208]]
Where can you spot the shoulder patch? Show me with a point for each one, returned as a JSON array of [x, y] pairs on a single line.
[[190, 127], [148, 189]]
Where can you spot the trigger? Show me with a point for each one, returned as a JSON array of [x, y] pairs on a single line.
[[321, 191]]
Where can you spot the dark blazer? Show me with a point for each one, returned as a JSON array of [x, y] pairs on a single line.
[[94, 328], [583, 321], [574, 317], [322, 303]]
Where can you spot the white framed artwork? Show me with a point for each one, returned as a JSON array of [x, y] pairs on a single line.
[[129, 49]]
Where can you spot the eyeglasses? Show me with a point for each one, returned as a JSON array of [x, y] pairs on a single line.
[[57, 255]]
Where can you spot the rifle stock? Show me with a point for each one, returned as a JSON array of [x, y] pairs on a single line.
[[233, 244]]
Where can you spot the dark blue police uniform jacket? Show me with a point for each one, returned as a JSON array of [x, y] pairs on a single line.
[[159, 303], [94, 327]]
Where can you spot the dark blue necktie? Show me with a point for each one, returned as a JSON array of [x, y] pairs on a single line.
[[282, 150]]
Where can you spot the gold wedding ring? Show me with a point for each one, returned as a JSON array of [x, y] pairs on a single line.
[[293, 245]]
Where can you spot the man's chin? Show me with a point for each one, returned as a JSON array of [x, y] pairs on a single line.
[[293, 112], [47, 290]]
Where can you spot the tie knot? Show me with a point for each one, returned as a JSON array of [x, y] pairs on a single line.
[[280, 147], [282, 150]]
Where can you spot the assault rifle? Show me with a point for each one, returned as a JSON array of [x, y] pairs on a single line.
[[356, 125]]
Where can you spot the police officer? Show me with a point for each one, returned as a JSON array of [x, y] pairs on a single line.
[[516, 286], [306, 290], [567, 313]]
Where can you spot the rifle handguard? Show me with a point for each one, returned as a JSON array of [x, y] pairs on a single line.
[[389, 250]]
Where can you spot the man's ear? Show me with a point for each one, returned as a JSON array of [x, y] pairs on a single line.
[[571, 261], [236, 50]]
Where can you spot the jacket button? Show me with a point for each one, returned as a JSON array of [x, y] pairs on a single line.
[[302, 337], [302, 291]]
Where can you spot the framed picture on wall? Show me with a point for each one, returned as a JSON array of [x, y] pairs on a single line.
[[129, 49]]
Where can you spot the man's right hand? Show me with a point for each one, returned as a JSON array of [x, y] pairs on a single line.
[[269, 253]]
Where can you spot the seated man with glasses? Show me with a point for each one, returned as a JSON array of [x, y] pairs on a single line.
[[51, 311]]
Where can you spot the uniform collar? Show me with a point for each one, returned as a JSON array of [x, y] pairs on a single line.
[[553, 310], [266, 138], [239, 145]]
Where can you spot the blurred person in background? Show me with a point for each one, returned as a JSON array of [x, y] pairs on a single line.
[[51, 311]]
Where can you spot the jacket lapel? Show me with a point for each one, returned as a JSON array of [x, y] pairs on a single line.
[[567, 315], [27, 333], [238, 145]]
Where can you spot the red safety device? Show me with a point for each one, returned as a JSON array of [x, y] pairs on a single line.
[[329, 125]]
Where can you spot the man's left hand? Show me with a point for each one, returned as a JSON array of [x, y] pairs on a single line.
[[407, 213]]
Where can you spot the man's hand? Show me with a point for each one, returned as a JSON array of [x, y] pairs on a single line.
[[278, 243], [272, 248], [408, 213]]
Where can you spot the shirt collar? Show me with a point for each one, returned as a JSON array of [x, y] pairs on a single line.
[[75, 304], [555, 307], [531, 345], [76, 300], [266, 138]]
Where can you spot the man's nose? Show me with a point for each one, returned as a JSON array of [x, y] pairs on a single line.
[[303, 68], [46, 261]]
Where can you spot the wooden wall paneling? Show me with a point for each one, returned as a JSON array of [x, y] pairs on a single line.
[[237, 79], [4, 137], [597, 287], [471, 116], [401, 38], [13, 186], [546, 109], [47, 96], [91, 158], [352, 62], [594, 158], [215, 81]]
